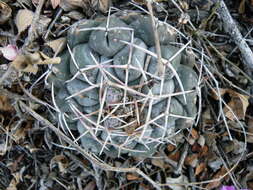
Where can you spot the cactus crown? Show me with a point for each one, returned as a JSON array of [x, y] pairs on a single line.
[[107, 86]]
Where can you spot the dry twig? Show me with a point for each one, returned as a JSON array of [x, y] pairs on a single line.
[[231, 28]]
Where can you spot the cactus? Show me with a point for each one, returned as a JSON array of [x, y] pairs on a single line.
[[107, 87]]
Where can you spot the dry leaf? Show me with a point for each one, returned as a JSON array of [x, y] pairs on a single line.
[[5, 104], [69, 5], [200, 168], [57, 45], [241, 8], [23, 19], [238, 104], [29, 62], [5, 11], [3, 149], [184, 5], [174, 156], [14, 182], [61, 161], [140, 2], [250, 130], [21, 132], [90, 186], [204, 151], [239, 107], [194, 133], [217, 183], [24, 64], [171, 147], [104, 5], [55, 3], [191, 160], [132, 177], [158, 162]]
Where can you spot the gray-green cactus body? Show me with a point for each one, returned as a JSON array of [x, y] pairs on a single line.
[[166, 52], [106, 42], [143, 28], [87, 98], [137, 60], [111, 115]]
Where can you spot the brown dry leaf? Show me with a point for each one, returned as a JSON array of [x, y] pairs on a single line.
[[191, 160], [174, 156], [171, 147], [104, 5], [14, 182], [5, 104], [61, 161], [90, 186], [250, 130], [55, 3], [24, 64], [57, 45], [241, 8], [5, 12], [194, 133], [29, 62], [3, 149], [238, 104], [217, 183], [200, 168], [140, 2], [21, 132], [69, 5], [204, 151], [158, 162], [132, 177], [23, 19], [184, 5]]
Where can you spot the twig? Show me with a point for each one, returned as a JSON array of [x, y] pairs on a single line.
[[87, 155], [6, 74], [32, 30], [160, 67], [232, 29], [182, 159], [58, 14]]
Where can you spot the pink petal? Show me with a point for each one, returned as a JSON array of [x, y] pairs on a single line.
[[227, 188], [10, 52]]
